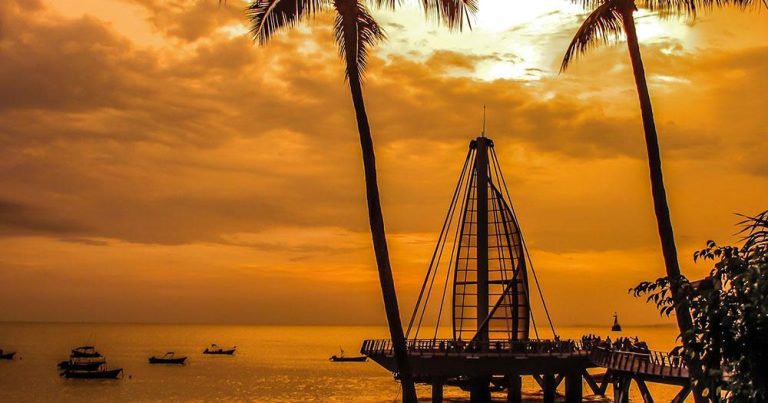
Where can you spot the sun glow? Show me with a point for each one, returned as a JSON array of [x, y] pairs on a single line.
[[512, 40], [500, 15]]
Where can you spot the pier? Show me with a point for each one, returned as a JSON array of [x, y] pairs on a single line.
[[444, 362], [479, 277]]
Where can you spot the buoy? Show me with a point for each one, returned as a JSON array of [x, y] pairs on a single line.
[[616, 326]]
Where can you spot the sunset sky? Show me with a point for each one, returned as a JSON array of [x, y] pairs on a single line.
[[156, 166]]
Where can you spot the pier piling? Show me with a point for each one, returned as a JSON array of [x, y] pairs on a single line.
[[514, 389], [550, 388], [437, 390], [573, 388]]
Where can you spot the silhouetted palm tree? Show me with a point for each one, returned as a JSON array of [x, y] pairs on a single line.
[[608, 20], [356, 32]]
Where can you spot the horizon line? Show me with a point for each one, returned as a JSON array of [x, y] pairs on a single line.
[[192, 323]]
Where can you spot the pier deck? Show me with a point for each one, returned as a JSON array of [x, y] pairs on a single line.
[[444, 362], [429, 359]]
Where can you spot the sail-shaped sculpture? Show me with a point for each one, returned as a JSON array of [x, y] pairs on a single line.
[[507, 315], [487, 267], [478, 277]]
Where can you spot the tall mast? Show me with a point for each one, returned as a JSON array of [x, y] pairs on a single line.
[[481, 170]]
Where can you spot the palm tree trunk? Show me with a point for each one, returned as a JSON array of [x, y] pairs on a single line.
[[376, 219], [663, 220]]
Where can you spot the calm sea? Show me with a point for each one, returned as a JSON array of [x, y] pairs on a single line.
[[272, 364]]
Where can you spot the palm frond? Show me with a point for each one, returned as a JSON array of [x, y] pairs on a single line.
[[689, 7], [601, 26], [588, 4], [755, 230], [453, 13], [269, 16], [356, 32], [676, 8]]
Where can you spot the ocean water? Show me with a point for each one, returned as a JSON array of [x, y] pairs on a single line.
[[272, 364]]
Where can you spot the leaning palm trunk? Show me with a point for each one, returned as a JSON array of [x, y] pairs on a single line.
[[356, 31], [661, 208], [376, 219]]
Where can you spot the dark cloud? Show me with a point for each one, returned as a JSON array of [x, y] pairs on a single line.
[[21, 219], [73, 65]]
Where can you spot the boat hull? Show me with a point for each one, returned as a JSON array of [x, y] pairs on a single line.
[[178, 361], [84, 366], [219, 352], [349, 359], [107, 374], [80, 354]]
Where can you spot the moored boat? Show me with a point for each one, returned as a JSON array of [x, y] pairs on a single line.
[[214, 349], [361, 358], [342, 358], [87, 363], [85, 352], [167, 358], [7, 355]]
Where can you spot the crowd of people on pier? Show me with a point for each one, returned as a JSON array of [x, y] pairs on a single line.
[[629, 344], [516, 346]]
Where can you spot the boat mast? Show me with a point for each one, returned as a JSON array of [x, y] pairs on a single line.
[[481, 170]]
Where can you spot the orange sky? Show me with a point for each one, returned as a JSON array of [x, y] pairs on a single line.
[[156, 166]]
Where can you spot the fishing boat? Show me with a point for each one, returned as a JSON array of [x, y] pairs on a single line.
[[616, 326], [342, 358], [167, 358], [86, 363], [214, 349], [7, 355], [85, 352], [361, 358], [102, 373]]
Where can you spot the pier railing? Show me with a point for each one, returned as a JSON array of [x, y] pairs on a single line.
[[494, 347], [649, 362]]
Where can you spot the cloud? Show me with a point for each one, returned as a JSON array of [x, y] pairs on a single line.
[[206, 151], [160, 146], [191, 20]]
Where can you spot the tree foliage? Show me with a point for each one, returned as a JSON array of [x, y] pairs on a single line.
[[730, 314]]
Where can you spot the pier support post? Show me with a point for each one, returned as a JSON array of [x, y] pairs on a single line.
[[621, 389], [480, 391], [549, 387], [437, 390], [514, 389], [680, 397], [596, 389], [573, 392]]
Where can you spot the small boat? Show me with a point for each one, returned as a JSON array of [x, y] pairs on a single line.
[[7, 355], [85, 352], [99, 374], [342, 358], [361, 358], [616, 326], [167, 358], [86, 363], [214, 349]]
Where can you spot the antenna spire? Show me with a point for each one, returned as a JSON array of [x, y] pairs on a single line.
[[483, 132]]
